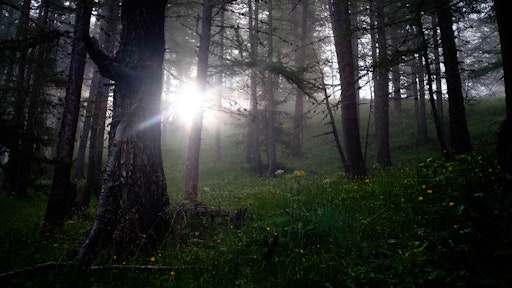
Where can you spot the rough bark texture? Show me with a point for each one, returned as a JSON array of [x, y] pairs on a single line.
[[253, 154], [133, 203], [61, 190], [459, 134], [349, 116], [300, 60], [383, 155], [108, 31], [270, 105], [194, 140]]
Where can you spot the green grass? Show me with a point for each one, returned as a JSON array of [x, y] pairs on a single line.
[[407, 226]]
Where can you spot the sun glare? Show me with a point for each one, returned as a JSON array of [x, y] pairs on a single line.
[[188, 103]]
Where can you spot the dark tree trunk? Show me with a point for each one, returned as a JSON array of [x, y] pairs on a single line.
[[422, 112], [86, 129], [437, 71], [133, 203], [383, 155], [459, 134], [62, 189], [300, 60], [108, 32], [253, 154], [220, 83], [435, 112], [194, 140], [342, 40], [270, 105]]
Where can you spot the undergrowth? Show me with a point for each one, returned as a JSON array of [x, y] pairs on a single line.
[[428, 224]]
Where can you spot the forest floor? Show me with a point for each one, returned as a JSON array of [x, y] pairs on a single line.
[[424, 222]]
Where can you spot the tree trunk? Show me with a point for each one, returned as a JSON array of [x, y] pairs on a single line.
[[270, 107], [86, 128], [459, 134], [108, 31], [253, 154], [133, 203], [383, 155], [342, 40], [300, 60], [61, 190], [437, 71], [194, 140], [220, 90], [422, 112]]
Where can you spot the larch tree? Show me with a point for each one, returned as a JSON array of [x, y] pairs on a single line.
[[100, 93], [340, 18], [270, 97], [459, 134], [194, 140], [62, 190], [133, 204], [383, 155], [253, 154]]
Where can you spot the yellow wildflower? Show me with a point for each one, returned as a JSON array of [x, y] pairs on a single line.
[[423, 186], [429, 191], [420, 198], [268, 228], [173, 273], [152, 259], [451, 204]]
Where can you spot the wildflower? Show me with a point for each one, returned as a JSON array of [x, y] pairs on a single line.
[[218, 241], [423, 186], [298, 173], [366, 180], [450, 168], [420, 198], [451, 204], [429, 191], [115, 257], [152, 259], [268, 228], [172, 273]]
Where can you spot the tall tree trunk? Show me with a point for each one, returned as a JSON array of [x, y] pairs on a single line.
[[133, 203], [342, 40], [396, 99], [270, 105], [437, 120], [108, 32], [459, 134], [194, 140], [86, 128], [300, 60], [422, 112], [253, 154], [437, 71], [383, 155], [220, 90], [61, 185]]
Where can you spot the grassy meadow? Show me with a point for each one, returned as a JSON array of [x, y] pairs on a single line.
[[423, 222]]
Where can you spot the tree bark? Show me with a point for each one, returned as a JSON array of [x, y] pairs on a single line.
[[270, 105], [253, 154], [194, 140], [133, 203], [108, 32], [459, 134], [61, 186], [349, 117], [383, 155]]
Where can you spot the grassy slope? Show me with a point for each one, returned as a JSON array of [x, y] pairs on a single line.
[[403, 227]]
